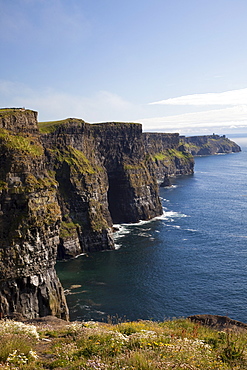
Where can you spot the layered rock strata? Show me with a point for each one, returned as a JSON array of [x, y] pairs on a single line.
[[82, 188], [209, 145], [133, 192], [167, 157], [29, 222]]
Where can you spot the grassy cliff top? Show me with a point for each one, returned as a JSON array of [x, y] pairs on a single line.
[[51, 126], [11, 111], [141, 345]]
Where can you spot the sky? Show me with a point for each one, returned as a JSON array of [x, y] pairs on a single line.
[[172, 65]]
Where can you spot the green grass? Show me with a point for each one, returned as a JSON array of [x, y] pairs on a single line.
[[96, 218], [51, 126], [68, 229], [160, 156], [75, 159], [142, 345], [11, 111], [169, 154], [26, 144], [17, 340]]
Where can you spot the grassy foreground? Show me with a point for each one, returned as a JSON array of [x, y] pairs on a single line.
[[141, 345]]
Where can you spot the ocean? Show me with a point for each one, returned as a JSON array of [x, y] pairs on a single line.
[[191, 260]]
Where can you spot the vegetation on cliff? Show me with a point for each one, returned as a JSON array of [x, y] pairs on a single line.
[[51, 126], [209, 144], [142, 345], [27, 144]]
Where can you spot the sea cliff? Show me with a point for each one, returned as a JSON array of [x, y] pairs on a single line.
[[63, 185]]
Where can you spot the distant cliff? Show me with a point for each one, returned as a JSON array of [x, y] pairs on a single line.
[[63, 185], [209, 144], [167, 156]]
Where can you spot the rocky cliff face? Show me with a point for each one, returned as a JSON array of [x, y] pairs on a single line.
[[133, 192], [82, 188], [29, 222], [166, 156], [209, 144]]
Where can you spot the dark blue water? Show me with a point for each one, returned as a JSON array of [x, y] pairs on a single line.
[[193, 260]]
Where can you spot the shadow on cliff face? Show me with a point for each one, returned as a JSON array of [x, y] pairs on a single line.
[[118, 199]]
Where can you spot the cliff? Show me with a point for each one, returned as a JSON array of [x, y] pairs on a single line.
[[62, 186], [209, 144], [133, 192], [29, 222], [166, 156], [82, 187]]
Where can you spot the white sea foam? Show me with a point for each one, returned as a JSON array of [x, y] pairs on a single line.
[[79, 255], [164, 200], [145, 235], [123, 229], [170, 214]]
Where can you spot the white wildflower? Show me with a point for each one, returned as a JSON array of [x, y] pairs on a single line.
[[15, 327]]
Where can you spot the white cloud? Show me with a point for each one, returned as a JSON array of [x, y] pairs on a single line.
[[106, 106], [211, 120], [54, 105], [234, 97]]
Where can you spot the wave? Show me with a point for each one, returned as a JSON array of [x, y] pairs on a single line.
[[125, 229], [164, 200], [170, 214], [79, 255]]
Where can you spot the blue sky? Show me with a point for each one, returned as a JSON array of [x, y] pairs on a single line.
[[173, 65]]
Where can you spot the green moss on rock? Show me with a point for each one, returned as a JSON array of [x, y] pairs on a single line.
[[97, 221], [25, 144], [68, 229], [169, 154], [77, 161]]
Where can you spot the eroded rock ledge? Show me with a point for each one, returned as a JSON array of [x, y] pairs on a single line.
[[218, 322]]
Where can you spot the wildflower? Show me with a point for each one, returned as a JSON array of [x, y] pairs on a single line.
[[33, 354], [15, 327], [96, 364], [17, 359]]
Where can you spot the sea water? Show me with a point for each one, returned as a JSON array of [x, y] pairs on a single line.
[[191, 260]]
